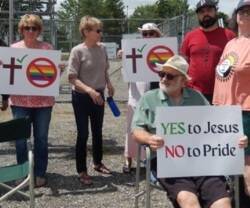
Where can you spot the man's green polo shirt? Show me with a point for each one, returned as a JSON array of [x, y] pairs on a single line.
[[144, 117]]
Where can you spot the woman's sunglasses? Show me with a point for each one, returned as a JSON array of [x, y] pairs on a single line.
[[167, 75], [30, 28], [97, 31], [148, 33]]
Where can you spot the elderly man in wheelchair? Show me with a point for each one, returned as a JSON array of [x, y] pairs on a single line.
[[184, 192]]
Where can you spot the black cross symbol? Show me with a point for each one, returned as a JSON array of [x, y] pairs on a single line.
[[12, 68], [134, 56]]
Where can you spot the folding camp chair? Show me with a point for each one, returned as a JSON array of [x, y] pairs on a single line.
[[234, 181], [11, 131]]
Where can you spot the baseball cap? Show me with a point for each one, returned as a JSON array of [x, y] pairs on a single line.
[[206, 3], [242, 3]]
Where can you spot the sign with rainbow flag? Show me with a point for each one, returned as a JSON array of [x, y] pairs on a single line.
[[141, 55], [29, 71]]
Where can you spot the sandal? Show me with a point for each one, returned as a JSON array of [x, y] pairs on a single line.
[[40, 182], [101, 168], [126, 169], [85, 179], [127, 166]]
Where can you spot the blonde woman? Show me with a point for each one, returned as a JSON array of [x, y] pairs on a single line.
[[38, 108], [88, 73]]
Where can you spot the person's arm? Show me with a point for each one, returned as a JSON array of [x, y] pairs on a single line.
[[143, 137], [111, 90], [141, 123]]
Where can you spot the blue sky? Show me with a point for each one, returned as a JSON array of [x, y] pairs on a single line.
[[226, 6]]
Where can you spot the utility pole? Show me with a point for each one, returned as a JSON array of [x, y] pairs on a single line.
[[127, 20], [11, 23]]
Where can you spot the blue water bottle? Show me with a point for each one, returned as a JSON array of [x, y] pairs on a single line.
[[114, 108]]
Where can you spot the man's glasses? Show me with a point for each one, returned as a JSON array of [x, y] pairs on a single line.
[[244, 12], [167, 75], [148, 33], [30, 28]]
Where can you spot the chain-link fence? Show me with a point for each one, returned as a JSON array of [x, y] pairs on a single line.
[[65, 34]]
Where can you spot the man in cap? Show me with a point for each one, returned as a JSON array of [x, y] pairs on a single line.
[[203, 47], [184, 192]]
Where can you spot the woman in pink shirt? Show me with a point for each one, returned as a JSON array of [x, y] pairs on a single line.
[[232, 82], [38, 108]]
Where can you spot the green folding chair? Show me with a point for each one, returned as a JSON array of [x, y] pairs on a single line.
[[11, 131]]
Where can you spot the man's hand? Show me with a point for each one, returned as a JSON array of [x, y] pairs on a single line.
[[243, 142], [155, 142]]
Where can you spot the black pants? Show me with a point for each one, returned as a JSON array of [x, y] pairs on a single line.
[[85, 110]]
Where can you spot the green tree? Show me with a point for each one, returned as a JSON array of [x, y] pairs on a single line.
[[147, 11], [69, 10], [141, 15], [113, 14], [171, 8], [224, 17], [110, 11]]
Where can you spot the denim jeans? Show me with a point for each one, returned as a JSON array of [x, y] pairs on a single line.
[[85, 109], [40, 118]]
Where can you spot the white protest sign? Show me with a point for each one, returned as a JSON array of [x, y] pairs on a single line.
[[199, 141], [140, 56], [111, 48], [29, 71]]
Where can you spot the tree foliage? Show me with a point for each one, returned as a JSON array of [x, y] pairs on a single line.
[[147, 11], [171, 8], [110, 11], [142, 14]]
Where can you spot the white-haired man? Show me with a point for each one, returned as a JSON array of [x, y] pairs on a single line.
[[184, 192]]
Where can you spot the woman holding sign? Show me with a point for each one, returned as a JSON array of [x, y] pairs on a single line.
[[135, 91], [88, 73], [38, 108], [232, 81]]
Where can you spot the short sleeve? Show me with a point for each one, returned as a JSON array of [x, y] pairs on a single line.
[[141, 118], [74, 62]]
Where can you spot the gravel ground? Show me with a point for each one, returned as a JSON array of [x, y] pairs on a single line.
[[63, 189]]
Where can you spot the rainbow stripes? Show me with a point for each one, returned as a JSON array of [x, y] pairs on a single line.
[[159, 57], [42, 72]]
